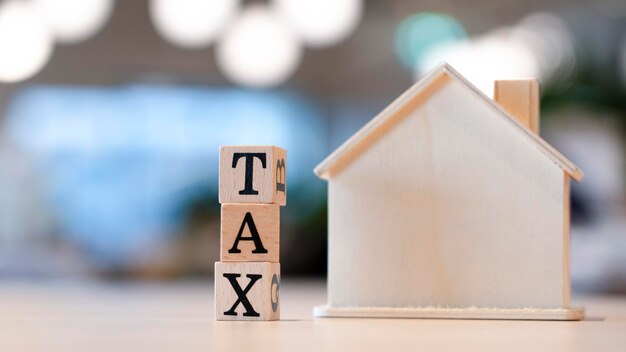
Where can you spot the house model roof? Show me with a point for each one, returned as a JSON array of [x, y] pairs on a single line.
[[410, 100]]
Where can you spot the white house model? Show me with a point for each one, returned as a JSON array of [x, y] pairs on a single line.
[[449, 205]]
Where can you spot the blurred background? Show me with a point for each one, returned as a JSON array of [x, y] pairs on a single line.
[[112, 112]]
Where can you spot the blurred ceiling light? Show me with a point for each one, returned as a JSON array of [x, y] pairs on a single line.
[[539, 46], [191, 23], [73, 21], [551, 42], [25, 42], [416, 35], [320, 23], [258, 49], [482, 61]]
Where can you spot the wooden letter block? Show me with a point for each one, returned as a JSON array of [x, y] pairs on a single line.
[[250, 232], [253, 174], [247, 291]]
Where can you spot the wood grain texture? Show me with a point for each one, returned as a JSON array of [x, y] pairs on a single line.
[[376, 129], [105, 316], [266, 181], [567, 287], [263, 295], [450, 313], [246, 221], [521, 99], [451, 208], [444, 73]]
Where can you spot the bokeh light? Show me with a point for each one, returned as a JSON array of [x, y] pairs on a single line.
[[73, 21], [551, 42], [258, 49], [123, 163], [25, 42], [420, 33], [320, 23], [539, 46], [484, 60], [191, 23]]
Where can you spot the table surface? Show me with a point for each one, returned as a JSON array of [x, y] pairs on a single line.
[[62, 316]]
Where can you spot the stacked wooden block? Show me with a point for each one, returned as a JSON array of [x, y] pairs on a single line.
[[252, 189]]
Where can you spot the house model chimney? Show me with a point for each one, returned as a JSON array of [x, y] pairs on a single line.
[[520, 98]]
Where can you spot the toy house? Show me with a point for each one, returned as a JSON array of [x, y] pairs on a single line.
[[448, 204]]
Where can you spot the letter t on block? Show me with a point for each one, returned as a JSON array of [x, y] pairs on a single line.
[[253, 174]]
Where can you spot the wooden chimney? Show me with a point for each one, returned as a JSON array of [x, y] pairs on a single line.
[[520, 98]]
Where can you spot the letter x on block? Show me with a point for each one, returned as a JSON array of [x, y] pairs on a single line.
[[241, 294], [247, 291]]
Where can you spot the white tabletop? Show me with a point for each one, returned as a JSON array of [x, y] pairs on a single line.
[[54, 316]]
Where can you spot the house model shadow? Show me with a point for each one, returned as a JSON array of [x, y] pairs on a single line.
[[449, 205]]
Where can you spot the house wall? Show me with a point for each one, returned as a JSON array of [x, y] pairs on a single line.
[[452, 207]]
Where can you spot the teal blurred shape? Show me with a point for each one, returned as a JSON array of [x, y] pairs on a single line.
[[121, 164], [418, 33]]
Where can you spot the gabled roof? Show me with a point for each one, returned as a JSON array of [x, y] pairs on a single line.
[[414, 97]]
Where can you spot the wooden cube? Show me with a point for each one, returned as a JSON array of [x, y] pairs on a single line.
[[253, 174], [247, 291], [250, 232]]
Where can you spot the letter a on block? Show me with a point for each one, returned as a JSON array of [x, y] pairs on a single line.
[[253, 174], [250, 232], [247, 291], [254, 236]]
